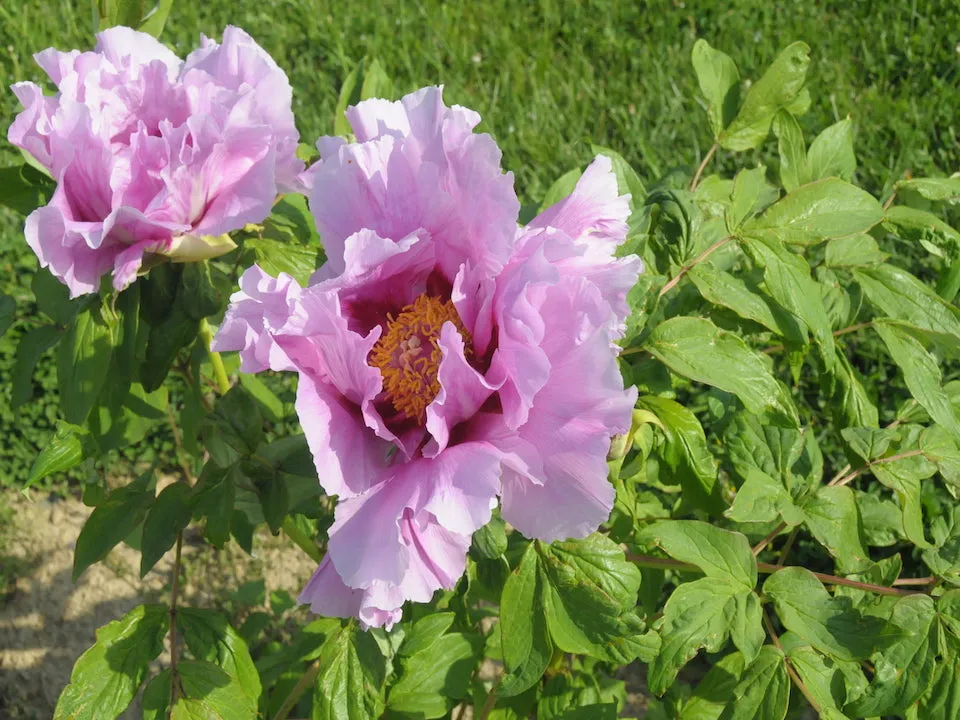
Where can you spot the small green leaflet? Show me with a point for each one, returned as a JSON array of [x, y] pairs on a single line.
[[699, 350], [105, 679], [350, 683], [719, 82]]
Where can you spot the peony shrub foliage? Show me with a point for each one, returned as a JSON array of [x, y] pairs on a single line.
[[534, 446]]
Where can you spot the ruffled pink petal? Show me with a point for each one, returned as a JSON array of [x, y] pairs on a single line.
[[381, 276], [438, 556], [453, 494], [327, 595], [262, 306], [571, 430], [473, 293], [519, 364], [65, 251], [463, 391], [595, 207], [418, 165], [124, 47], [366, 544], [31, 128], [349, 458], [461, 485]]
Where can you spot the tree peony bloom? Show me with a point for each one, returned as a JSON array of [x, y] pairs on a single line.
[[151, 154], [445, 356]]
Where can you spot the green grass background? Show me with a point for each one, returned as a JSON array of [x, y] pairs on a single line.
[[548, 78]]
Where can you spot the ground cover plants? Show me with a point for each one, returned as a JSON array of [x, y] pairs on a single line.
[[660, 377]]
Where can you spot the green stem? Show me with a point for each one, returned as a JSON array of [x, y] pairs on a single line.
[[306, 681], [219, 371], [767, 569], [301, 539]]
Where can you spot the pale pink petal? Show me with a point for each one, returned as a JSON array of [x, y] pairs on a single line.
[[595, 207], [349, 459], [571, 430], [123, 46], [463, 391], [328, 596]]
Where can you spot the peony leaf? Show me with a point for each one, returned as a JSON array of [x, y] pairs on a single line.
[[105, 679], [719, 82], [763, 692], [818, 211], [831, 152], [210, 693], [112, 521], [718, 553], [350, 683], [211, 637], [698, 349], [781, 86], [830, 624], [166, 518], [794, 169]]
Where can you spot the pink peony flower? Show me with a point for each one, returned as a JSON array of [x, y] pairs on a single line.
[[151, 154], [445, 356]]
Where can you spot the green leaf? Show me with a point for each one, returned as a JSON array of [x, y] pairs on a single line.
[[719, 82], [585, 588], [850, 401], [763, 691], [921, 372], [155, 700], [904, 670], [349, 95], [779, 86], [270, 404], [820, 210], [165, 519], [829, 624], [425, 632], [794, 170], [234, 429], [718, 553], [490, 541], [686, 454], [854, 251], [156, 18], [112, 521], [210, 693], [699, 350], [903, 477], [211, 637], [695, 616], [832, 517], [352, 673], [105, 679], [32, 345], [69, 446], [433, 679], [376, 82], [23, 189], [8, 311], [831, 682], [831, 152], [214, 498], [751, 194], [83, 361], [726, 290], [526, 644], [561, 188], [763, 499], [925, 228], [936, 189], [899, 295], [942, 448], [598, 711], [715, 690], [787, 279], [869, 443]]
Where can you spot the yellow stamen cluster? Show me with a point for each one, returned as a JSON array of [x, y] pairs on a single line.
[[408, 354]]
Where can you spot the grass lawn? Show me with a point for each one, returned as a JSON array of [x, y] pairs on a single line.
[[549, 78]]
